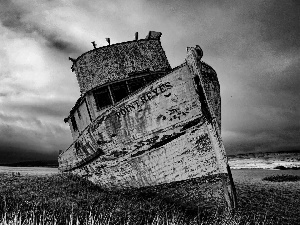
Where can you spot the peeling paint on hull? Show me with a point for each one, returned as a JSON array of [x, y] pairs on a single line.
[[166, 136]]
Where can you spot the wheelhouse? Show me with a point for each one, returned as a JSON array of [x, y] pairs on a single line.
[[89, 106], [108, 74]]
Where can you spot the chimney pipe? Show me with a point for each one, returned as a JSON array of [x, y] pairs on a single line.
[[136, 36], [73, 60], [108, 40], [94, 44]]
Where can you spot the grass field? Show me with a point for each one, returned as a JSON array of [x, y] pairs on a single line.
[[278, 200], [59, 199]]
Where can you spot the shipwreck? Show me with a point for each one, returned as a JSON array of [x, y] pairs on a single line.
[[141, 124]]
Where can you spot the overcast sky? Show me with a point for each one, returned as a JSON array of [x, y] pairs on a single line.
[[253, 45]]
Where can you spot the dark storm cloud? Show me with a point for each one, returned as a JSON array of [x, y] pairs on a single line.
[[286, 81], [54, 41], [2, 94], [31, 113], [12, 153], [243, 145], [25, 138], [7, 94], [8, 118], [61, 45], [278, 90], [266, 23], [49, 108], [277, 24], [260, 101], [12, 17]]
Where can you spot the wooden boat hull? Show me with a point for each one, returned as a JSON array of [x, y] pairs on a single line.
[[168, 133]]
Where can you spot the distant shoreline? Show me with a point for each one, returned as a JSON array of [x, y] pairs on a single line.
[[266, 156], [7, 165], [46, 163], [262, 153]]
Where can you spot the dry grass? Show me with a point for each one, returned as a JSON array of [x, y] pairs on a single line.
[[61, 199], [278, 200], [282, 178]]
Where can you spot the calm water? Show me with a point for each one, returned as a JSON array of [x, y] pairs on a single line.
[[29, 170]]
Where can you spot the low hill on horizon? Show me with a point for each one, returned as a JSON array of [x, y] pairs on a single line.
[[260, 154], [39, 163], [265, 160]]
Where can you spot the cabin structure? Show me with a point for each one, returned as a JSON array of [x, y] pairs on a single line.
[[109, 74]]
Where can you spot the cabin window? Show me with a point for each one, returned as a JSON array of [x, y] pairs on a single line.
[[74, 124], [114, 93], [102, 97], [151, 78], [135, 84], [119, 91], [79, 114]]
